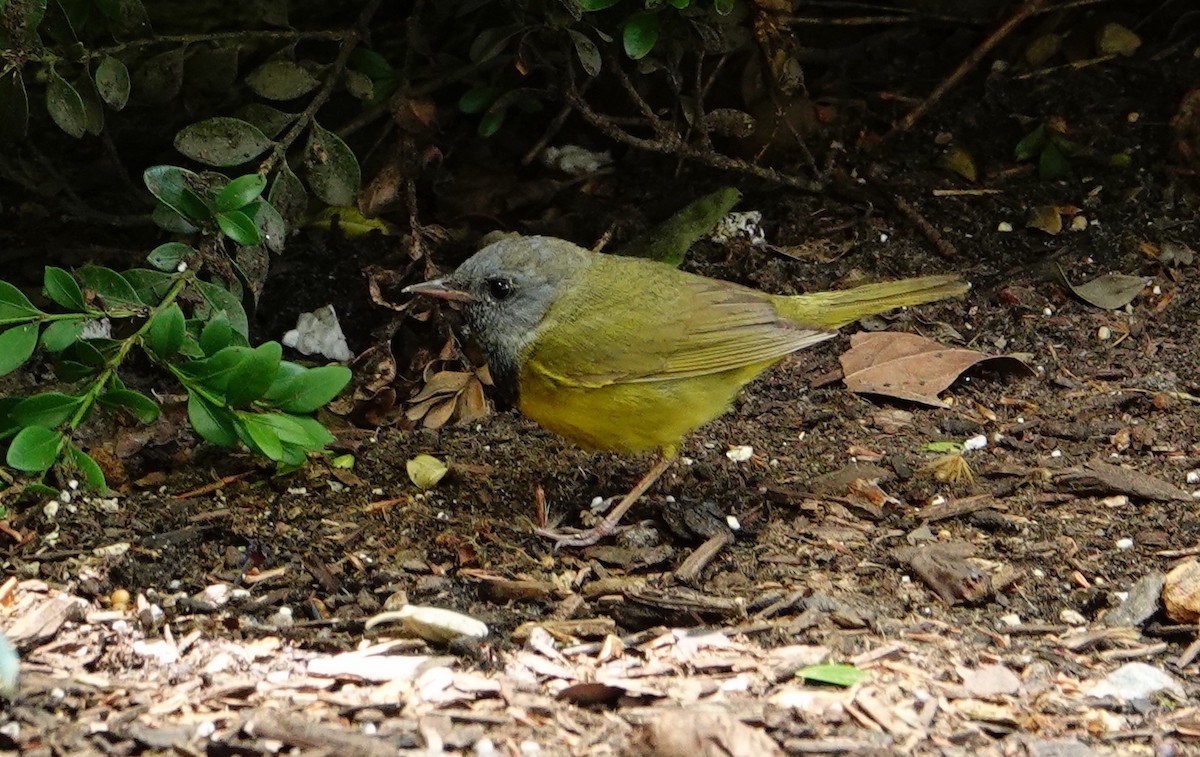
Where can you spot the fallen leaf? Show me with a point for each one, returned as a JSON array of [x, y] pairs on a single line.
[[1100, 478], [1114, 39], [1181, 592], [688, 733], [960, 161], [1045, 218], [426, 471], [1110, 291], [908, 366]]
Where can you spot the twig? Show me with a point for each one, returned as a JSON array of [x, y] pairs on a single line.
[[552, 129], [672, 145], [970, 62], [944, 247], [307, 115]]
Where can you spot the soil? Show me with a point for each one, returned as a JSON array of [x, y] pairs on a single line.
[[1029, 563]]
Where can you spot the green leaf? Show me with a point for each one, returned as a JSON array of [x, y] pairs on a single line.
[[112, 81], [171, 222], [1031, 144], [112, 287], [290, 431], [14, 305], [492, 121], [288, 195], [239, 227], [640, 34], [1052, 164], [61, 287], [151, 286], [281, 80], [14, 107], [586, 51], [216, 335], [272, 229], [16, 345], [270, 121], [722, 7], [174, 187], [833, 674], [477, 99], [241, 192], [260, 435], [214, 424], [221, 141], [60, 335], [165, 335], [167, 257], [318, 435], [213, 373], [49, 409], [65, 105], [8, 427], [333, 171], [93, 109], [142, 407], [254, 375], [217, 298], [159, 78], [590, 6], [310, 390], [88, 467], [34, 449]]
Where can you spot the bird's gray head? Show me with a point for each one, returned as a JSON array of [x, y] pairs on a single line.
[[506, 290]]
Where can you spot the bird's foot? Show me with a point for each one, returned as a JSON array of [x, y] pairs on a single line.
[[585, 538]]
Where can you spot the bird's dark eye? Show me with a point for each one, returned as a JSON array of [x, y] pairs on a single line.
[[500, 289]]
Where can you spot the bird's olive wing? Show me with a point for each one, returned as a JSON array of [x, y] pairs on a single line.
[[655, 323]]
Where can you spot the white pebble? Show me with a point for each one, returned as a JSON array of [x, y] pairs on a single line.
[[740, 453], [1104, 333], [1004, 227], [1056, 453], [1047, 311], [1125, 543], [975, 442], [1193, 477], [1078, 223], [733, 523], [1012, 621]]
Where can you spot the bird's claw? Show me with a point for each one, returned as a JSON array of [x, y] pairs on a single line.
[[578, 538]]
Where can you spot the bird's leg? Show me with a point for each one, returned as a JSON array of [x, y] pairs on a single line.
[[609, 524]]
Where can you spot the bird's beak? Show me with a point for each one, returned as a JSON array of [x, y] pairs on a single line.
[[441, 289]]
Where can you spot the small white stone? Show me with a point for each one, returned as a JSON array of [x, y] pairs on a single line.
[[1193, 477], [733, 523], [975, 443], [1047, 311], [181, 267], [1157, 289], [1039, 573], [1011, 620], [205, 729], [1004, 227], [72, 484], [1056, 453], [740, 453], [1078, 223], [883, 237], [1125, 543], [1072, 618], [1104, 333]]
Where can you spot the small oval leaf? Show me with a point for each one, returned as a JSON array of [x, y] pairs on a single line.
[[281, 80], [333, 171], [65, 106], [112, 81], [221, 141]]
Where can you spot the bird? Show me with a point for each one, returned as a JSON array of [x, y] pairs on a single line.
[[631, 355]]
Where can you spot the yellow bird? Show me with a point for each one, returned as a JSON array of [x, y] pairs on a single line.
[[631, 355]]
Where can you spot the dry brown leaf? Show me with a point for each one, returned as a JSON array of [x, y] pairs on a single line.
[[687, 733], [450, 395], [1110, 291], [1181, 592], [1045, 218], [908, 366]]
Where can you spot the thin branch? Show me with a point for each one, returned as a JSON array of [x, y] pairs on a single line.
[[977, 55], [308, 115]]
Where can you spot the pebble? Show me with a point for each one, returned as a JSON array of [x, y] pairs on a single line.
[[1125, 543], [1072, 618], [1104, 333], [740, 454], [1004, 227]]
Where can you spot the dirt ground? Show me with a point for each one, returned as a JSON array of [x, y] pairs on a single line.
[[211, 608]]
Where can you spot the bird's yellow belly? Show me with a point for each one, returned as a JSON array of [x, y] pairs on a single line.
[[631, 417]]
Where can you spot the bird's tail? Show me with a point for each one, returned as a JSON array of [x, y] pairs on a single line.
[[832, 310]]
